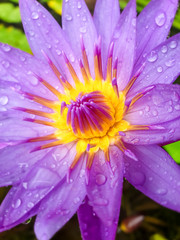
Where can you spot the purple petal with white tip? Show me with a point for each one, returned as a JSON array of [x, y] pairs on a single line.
[[77, 21], [106, 11], [153, 25], [105, 187], [155, 174], [58, 207], [124, 43]]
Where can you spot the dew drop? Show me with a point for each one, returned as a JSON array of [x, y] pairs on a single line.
[[160, 19], [170, 109], [76, 200], [5, 64], [164, 49], [31, 33], [4, 100], [24, 185], [154, 113], [134, 22], [152, 57], [101, 202], [170, 63], [35, 15], [161, 191], [177, 107], [17, 203], [30, 205], [138, 178], [100, 179], [68, 17], [159, 69], [173, 44], [6, 48], [79, 5], [83, 29]]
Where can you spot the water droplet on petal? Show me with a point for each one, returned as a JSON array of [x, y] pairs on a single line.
[[6, 48], [30, 205], [76, 200], [138, 178], [17, 203], [173, 44], [152, 57], [83, 29], [100, 202], [161, 191], [100, 179], [154, 113], [177, 107], [164, 49], [68, 17], [170, 63], [79, 5], [31, 33], [160, 19], [35, 15], [4, 100], [159, 69], [134, 22], [5, 64]]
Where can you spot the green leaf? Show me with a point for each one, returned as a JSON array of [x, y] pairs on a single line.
[[174, 150], [9, 13], [157, 236], [56, 5], [14, 37]]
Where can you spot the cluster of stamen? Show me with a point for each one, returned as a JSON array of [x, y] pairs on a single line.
[[90, 113]]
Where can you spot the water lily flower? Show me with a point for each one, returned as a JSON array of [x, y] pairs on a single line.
[[92, 105]]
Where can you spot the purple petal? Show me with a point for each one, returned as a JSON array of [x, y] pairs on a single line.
[[57, 208], [16, 160], [153, 25], [161, 104], [105, 188], [4, 210], [91, 226], [14, 130], [38, 182], [162, 65], [124, 39], [106, 11], [77, 21], [44, 33], [162, 134], [155, 174], [19, 67]]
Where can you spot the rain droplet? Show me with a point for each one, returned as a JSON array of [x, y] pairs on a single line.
[[68, 17], [134, 22], [177, 107], [101, 202], [24, 185], [6, 48], [35, 15], [100, 179], [83, 29], [79, 5], [5, 64], [4, 100], [154, 113], [138, 178], [161, 191], [170, 63], [164, 49], [173, 44], [30, 205], [31, 33], [170, 109], [76, 200], [152, 57], [160, 19], [17, 203], [159, 69]]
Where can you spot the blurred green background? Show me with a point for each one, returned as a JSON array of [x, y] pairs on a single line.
[[153, 222]]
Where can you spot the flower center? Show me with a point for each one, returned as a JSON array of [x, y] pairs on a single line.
[[91, 115]]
